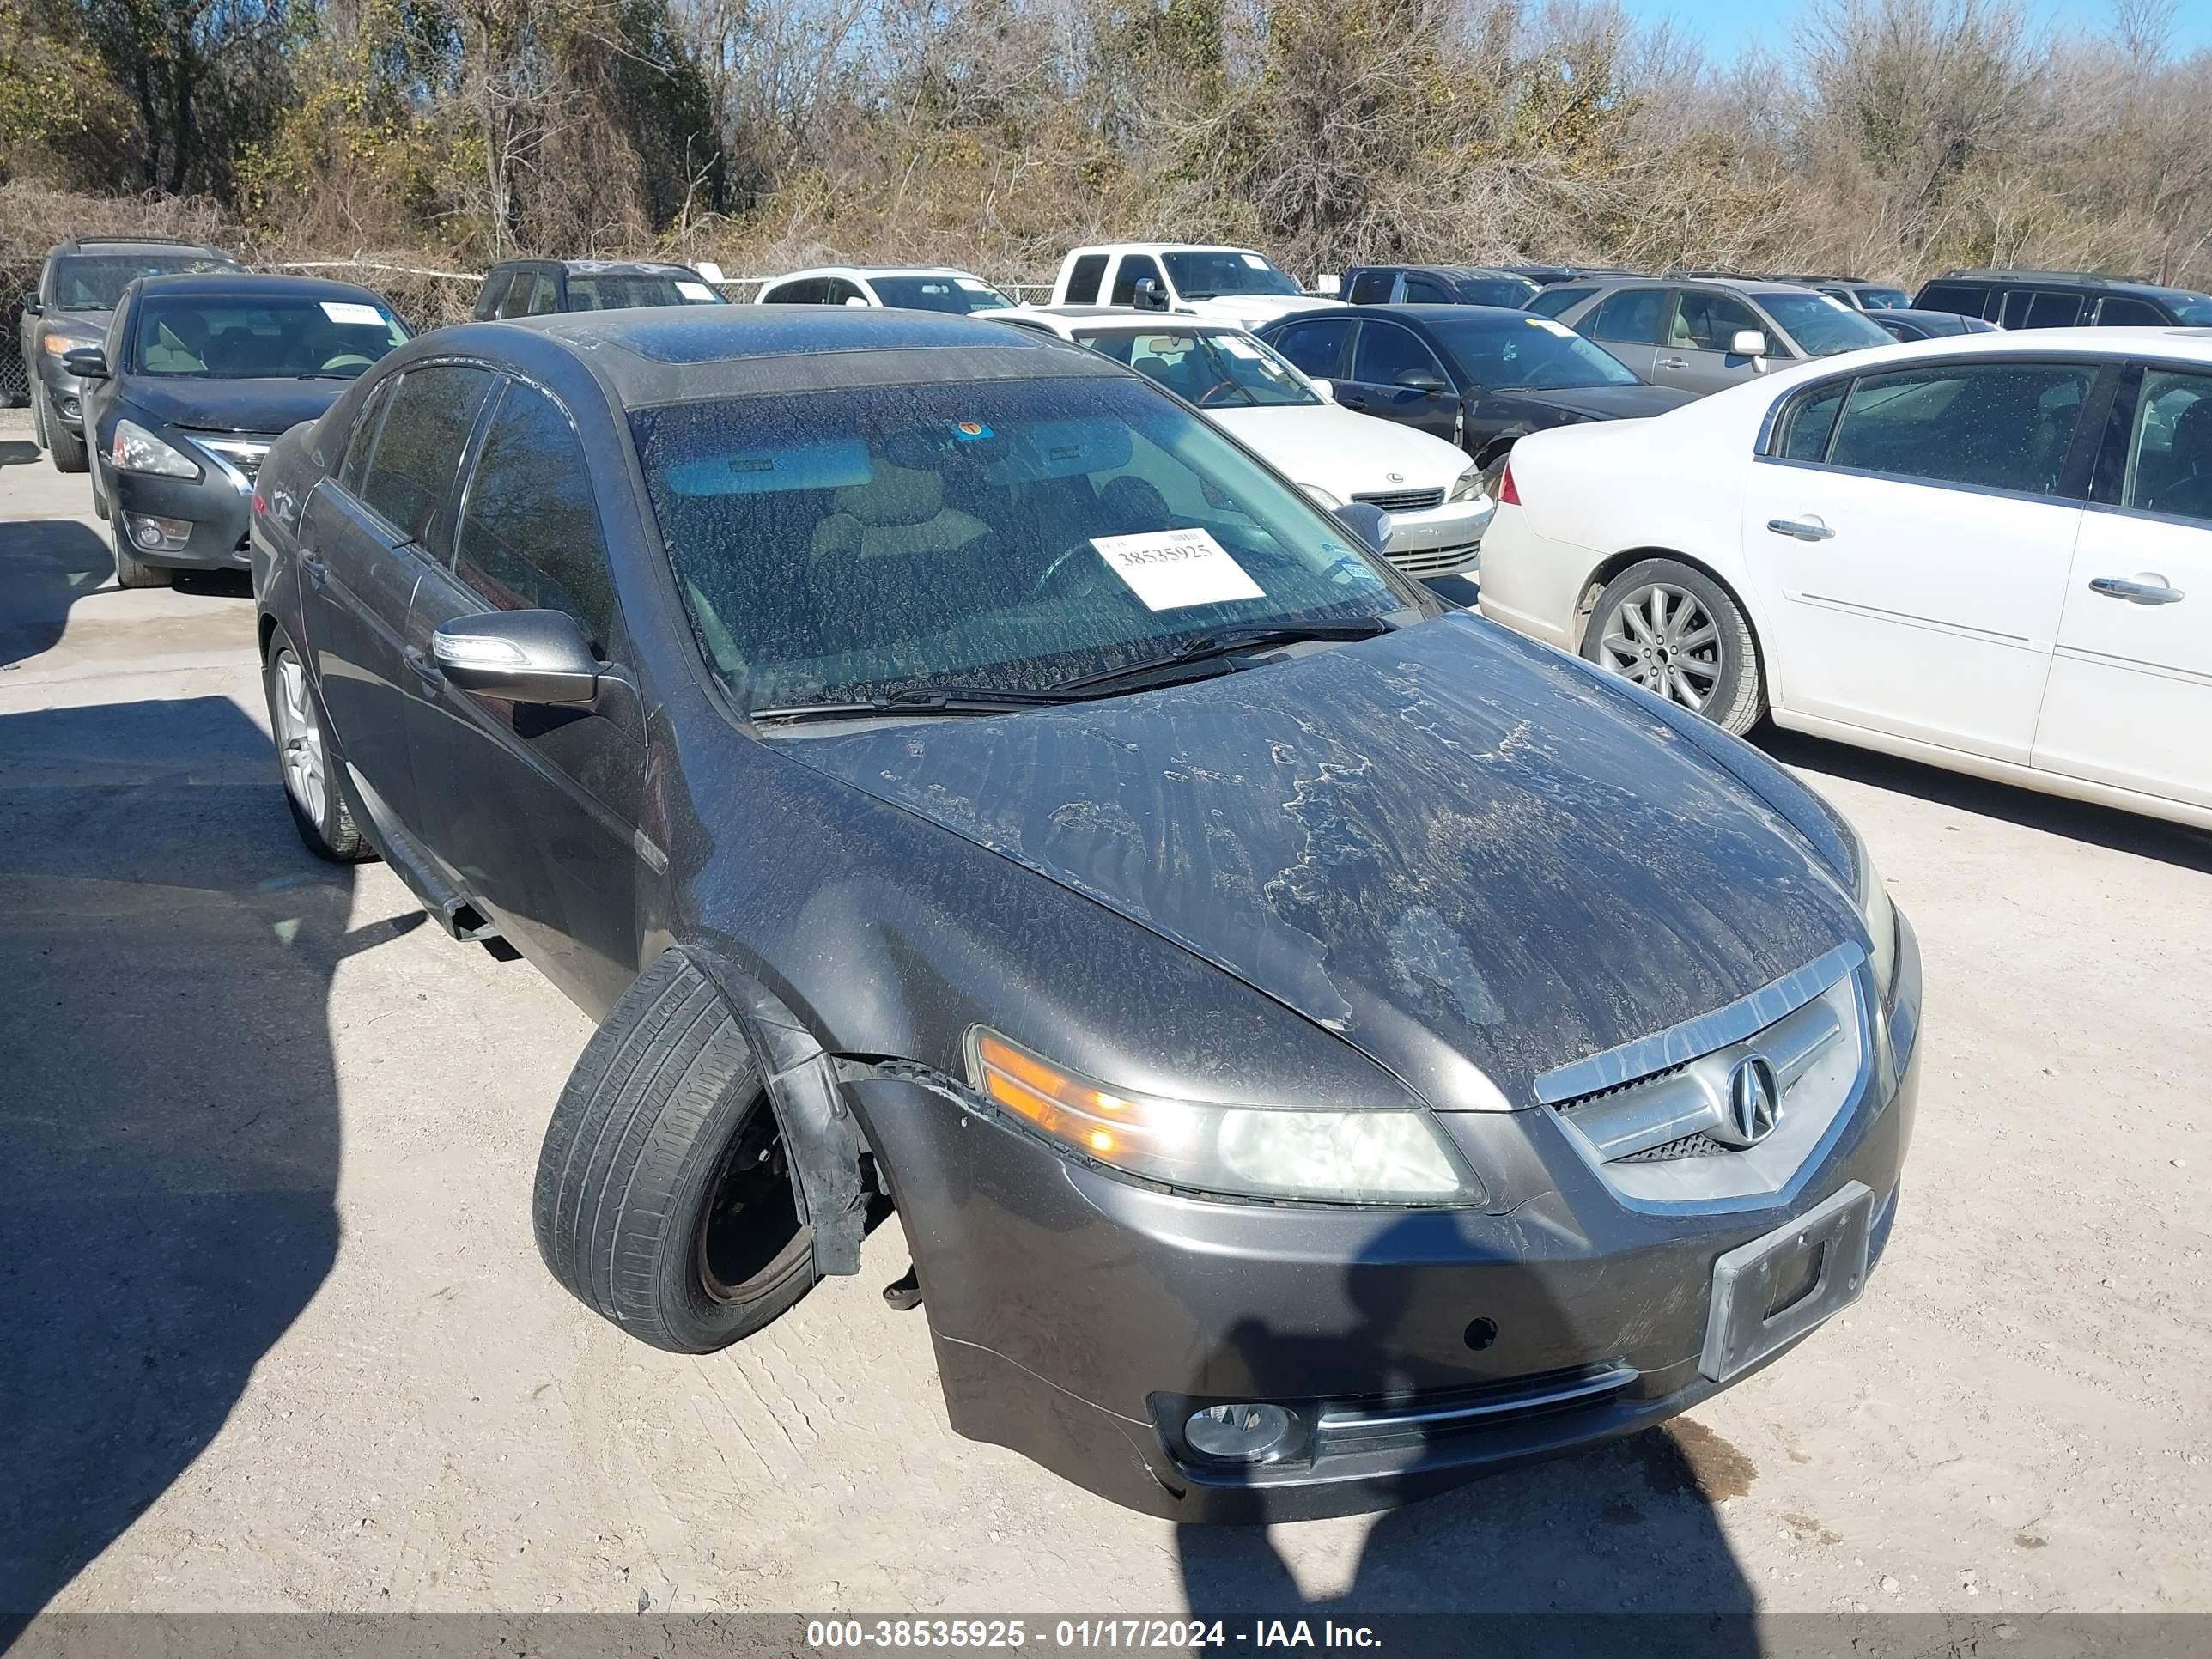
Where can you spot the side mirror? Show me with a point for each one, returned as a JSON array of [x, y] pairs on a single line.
[[32, 307], [1369, 524], [1148, 296], [523, 656], [1325, 390], [86, 362], [1424, 379], [855, 300], [1748, 342]]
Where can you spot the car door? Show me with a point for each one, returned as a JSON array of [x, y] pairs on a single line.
[[1318, 346], [534, 809], [2129, 701], [362, 550], [1911, 533], [1394, 375], [1631, 323], [1704, 326]]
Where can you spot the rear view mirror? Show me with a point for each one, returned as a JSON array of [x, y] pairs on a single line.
[[1748, 342], [86, 362], [1367, 522], [523, 656]]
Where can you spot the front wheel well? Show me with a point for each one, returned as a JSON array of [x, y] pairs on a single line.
[[1603, 575]]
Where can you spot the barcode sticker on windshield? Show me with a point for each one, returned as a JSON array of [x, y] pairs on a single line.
[[973, 284], [1169, 569], [1255, 262], [1551, 327], [346, 311], [695, 290]]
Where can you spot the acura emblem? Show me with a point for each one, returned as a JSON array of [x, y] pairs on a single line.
[[1755, 1099]]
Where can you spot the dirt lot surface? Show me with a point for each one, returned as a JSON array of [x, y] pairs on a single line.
[[277, 1338]]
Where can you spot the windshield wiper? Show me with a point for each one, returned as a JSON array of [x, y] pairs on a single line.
[[1224, 642], [957, 701]]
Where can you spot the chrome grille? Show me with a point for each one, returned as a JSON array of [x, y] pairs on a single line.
[[1404, 501], [1655, 1120], [1439, 561]]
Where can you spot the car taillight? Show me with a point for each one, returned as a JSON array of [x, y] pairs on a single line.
[[260, 507], [1507, 495]]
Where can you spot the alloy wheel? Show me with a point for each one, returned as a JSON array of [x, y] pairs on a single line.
[[300, 739], [1660, 636]]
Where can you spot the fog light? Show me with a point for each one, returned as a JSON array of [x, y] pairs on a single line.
[[71, 408], [157, 534], [1249, 1433]]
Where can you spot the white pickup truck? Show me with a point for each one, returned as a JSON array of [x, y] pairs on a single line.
[[1222, 284]]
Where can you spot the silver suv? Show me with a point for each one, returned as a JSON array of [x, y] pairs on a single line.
[[1700, 334]]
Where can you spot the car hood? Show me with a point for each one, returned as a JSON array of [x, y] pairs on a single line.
[[1344, 451], [264, 406], [1254, 310], [1605, 403], [1469, 856]]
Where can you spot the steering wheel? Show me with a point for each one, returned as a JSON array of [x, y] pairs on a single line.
[[1054, 571], [347, 360], [1204, 399]]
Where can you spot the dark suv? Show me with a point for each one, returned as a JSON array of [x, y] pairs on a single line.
[[537, 287], [1438, 285], [2062, 299], [78, 287]]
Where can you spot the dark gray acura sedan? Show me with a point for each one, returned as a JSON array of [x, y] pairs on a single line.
[[1317, 1047]]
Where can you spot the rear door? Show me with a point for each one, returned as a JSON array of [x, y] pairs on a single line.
[[1912, 532], [1395, 375], [362, 549], [1698, 357], [1318, 347], [1631, 323], [534, 811], [2130, 695]]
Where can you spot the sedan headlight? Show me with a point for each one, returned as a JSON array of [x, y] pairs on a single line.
[[55, 344], [1880, 920], [1396, 1157], [1468, 486], [137, 450], [1328, 502]]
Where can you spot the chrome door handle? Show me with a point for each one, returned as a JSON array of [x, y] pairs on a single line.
[[1802, 532], [2148, 588], [312, 566], [1674, 362]]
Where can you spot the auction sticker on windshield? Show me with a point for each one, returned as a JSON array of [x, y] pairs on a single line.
[[1168, 569], [346, 311]]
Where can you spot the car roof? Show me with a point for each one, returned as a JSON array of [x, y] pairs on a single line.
[[872, 271], [1495, 316], [2192, 344], [598, 267], [654, 355], [126, 246], [1163, 247], [2073, 278], [1456, 273], [252, 284]]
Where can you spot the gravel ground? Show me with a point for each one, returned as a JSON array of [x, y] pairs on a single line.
[[278, 1339]]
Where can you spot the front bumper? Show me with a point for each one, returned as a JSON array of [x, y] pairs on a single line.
[[1079, 1318], [1440, 541], [65, 393], [217, 505]]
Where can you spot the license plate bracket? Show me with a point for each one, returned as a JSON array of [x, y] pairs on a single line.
[[1824, 1251]]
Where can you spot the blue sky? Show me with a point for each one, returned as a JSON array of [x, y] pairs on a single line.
[[1724, 27]]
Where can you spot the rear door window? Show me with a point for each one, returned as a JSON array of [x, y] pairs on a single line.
[[1551, 302], [1083, 280], [2170, 452], [1967, 299], [1810, 422], [1317, 348], [1635, 316], [363, 437], [530, 532], [2054, 311], [1995, 426], [808, 291], [426, 426]]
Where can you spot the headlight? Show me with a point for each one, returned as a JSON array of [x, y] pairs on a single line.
[[1880, 920], [1394, 1157], [56, 344], [1468, 486], [1328, 502], [137, 450]]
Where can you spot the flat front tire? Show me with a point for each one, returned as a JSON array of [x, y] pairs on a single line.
[[665, 1201], [1678, 633]]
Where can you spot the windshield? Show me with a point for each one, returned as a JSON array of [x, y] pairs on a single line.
[[1007, 535], [958, 294], [1533, 354], [2194, 311], [1883, 299], [88, 283], [609, 292], [1217, 271], [221, 338], [1823, 326], [1214, 371]]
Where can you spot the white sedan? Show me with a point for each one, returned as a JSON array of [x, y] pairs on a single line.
[[1437, 505], [1991, 552]]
